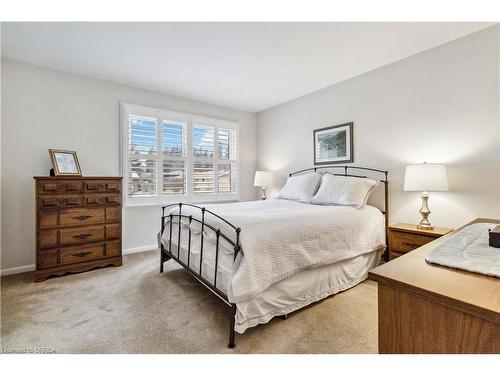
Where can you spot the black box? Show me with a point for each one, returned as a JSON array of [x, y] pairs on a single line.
[[495, 236]]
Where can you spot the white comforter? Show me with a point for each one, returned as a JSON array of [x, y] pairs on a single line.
[[280, 238]]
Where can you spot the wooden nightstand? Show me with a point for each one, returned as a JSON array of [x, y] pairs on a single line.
[[404, 238]]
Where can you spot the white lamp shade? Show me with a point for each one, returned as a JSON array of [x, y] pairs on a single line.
[[426, 177], [262, 178]]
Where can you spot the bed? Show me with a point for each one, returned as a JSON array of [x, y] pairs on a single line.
[[265, 259]]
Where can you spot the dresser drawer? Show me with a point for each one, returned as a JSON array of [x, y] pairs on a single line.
[[101, 199], [104, 186], [76, 254], [69, 236], [79, 216], [52, 218], [49, 238], [59, 201], [59, 186], [403, 242]]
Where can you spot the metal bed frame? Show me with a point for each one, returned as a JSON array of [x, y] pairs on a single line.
[[172, 253]]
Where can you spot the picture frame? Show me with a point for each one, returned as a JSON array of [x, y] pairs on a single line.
[[65, 162], [334, 144]]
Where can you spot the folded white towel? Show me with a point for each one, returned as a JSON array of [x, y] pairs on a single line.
[[468, 250]]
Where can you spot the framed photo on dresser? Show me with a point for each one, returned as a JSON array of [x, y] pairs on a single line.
[[65, 163], [334, 144]]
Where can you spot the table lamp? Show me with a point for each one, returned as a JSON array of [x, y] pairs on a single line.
[[425, 177], [262, 179]]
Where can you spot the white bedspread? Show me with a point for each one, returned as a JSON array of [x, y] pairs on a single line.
[[468, 250], [280, 238]]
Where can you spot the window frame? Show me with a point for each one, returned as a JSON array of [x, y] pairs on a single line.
[[162, 115]]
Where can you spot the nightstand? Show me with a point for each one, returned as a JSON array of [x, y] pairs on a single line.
[[404, 238]]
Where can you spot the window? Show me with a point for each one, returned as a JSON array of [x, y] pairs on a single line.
[[170, 157]]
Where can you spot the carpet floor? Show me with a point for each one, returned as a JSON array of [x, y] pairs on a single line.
[[135, 309]]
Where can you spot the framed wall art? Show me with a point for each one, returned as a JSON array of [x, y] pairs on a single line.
[[334, 144]]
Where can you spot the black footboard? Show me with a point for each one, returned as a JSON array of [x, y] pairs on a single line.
[[169, 251]]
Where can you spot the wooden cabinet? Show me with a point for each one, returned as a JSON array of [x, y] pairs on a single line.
[[404, 238], [78, 224], [430, 309]]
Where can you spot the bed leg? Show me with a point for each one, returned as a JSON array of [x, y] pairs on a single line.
[[163, 258], [283, 317], [231, 344]]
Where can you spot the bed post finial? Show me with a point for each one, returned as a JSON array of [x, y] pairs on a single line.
[[237, 247]]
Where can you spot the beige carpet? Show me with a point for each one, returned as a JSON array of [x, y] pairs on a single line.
[[135, 309]]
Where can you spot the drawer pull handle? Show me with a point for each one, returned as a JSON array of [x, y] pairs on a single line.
[[412, 244], [82, 254], [102, 200], [62, 202], [82, 236], [61, 187], [81, 217], [100, 187]]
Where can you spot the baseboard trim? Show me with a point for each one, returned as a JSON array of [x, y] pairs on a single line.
[[139, 249], [31, 267], [14, 270]]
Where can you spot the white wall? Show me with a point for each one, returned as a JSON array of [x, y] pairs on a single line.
[[438, 106], [44, 108]]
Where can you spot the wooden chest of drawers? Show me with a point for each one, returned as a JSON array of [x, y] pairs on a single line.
[[78, 224]]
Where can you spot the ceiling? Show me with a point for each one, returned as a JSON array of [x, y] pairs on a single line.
[[249, 66]]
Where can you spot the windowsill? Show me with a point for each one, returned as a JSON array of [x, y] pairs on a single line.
[[156, 204]]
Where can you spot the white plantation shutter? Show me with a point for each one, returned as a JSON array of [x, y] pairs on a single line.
[[203, 154], [203, 177], [227, 160], [203, 141], [142, 156], [174, 148], [171, 157]]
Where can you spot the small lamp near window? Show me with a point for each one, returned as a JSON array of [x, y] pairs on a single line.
[[425, 177], [263, 179]]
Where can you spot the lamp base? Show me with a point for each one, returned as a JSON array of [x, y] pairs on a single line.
[[425, 227], [425, 212]]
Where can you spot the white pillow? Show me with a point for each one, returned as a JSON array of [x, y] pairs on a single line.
[[301, 187], [344, 191]]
